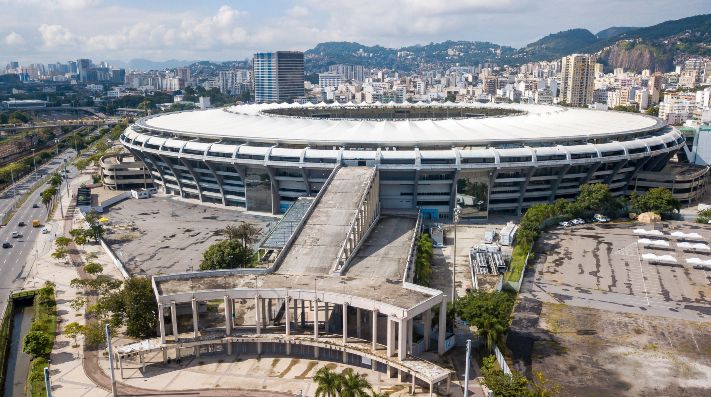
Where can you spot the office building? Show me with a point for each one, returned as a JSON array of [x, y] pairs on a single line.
[[278, 76]]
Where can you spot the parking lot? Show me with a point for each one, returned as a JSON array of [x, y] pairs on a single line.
[[163, 235], [600, 266]]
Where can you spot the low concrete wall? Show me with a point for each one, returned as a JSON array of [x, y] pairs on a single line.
[[117, 262]]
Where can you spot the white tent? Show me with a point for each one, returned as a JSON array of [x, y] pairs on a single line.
[[654, 243], [687, 236], [645, 232]]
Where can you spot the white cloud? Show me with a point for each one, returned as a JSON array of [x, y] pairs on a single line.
[[53, 4], [297, 12], [14, 39], [55, 35]]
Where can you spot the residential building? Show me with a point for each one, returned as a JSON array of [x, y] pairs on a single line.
[[278, 76], [577, 77]]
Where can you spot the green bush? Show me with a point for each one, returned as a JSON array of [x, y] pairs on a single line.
[[423, 261], [704, 216]]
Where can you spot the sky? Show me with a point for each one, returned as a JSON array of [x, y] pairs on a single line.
[[45, 31]]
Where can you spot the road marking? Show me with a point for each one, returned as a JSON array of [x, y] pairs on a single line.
[[644, 283]]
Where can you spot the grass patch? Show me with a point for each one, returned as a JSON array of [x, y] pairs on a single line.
[[518, 262], [45, 321]]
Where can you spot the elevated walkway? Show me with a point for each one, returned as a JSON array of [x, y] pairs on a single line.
[[340, 220]]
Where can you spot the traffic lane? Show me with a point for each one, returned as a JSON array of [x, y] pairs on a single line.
[[24, 214]]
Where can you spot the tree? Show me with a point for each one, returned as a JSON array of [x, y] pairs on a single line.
[[595, 197], [62, 241], [37, 344], [503, 385], [541, 387], [226, 254], [96, 229], [423, 261], [328, 383], [245, 232], [353, 384], [73, 330], [80, 235], [658, 200], [55, 180], [652, 111], [489, 312], [47, 196], [93, 268], [704, 216], [59, 253], [94, 334]]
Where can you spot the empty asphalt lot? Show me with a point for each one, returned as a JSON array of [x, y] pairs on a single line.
[[162, 235], [599, 266]]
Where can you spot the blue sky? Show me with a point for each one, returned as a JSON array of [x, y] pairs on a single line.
[[57, 30]]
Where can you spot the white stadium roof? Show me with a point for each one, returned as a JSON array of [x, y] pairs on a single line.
[[538, 123]]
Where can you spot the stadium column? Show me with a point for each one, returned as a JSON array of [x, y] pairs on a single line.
[[442, 328], [390, 338], [174, 321], [220, 181], [195, 324], [359, 333]]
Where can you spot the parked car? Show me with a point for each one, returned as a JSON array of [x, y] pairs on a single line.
[[564, 224], [601, 218], [6, 244], [16, 235], [21, 224], [35, 205], [45, 230], [577, 221]]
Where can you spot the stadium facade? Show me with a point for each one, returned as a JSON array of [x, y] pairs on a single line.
[[482, 157]]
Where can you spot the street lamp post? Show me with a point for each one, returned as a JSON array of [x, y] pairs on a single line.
[[457, 213]]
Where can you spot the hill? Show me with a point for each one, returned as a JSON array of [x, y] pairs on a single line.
[[558, 44], [613, 31]]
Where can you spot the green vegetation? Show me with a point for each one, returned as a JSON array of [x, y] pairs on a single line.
[[704, 216], [658, 200], [346, 384], [516, 384], [423, 261], [489, 311], [15, 117], [623, 108], [652, 111], [227, 254], [40, 338], [93, 268], [246, 233], [73, 330]]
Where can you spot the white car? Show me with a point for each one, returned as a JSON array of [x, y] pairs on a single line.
[[15, 234], [577, 221], [564, 224], [45, 230]]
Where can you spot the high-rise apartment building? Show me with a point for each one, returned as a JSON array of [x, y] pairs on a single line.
[[278, 76], [577, 78], [655, 88]]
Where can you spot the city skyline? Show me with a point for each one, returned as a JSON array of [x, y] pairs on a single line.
[[100, 29]]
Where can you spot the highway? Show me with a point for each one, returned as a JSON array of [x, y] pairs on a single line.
[[16, 262]]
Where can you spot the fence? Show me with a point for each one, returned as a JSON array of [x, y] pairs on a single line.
[[501, 360], [117, 262]]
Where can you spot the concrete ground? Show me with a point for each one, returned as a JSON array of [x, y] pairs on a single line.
[[384, 252], [163, 235], [583, 319], [599, 266], [214, 371]]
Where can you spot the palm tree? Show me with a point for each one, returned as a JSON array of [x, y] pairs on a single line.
[[492, 328], [328, 382], [374, 393], [55, 180], [353, 384]]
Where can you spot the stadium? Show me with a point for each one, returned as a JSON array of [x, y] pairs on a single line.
[[432, 157]]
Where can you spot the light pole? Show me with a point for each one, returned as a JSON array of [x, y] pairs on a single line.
[[47, 382], [466, 374], [56, 142], [111, 360], [457, 212]]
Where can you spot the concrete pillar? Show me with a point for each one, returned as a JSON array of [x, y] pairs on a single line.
[[195, 317], [303, 313], [142, 360], [431, 387], [228, 315], [257, 315], [270, 314], [120, 362], [315, 319], [359, 333], [325, 317], [296, 312], [412, 388], [390, 338], [345, 322], [427, 327], [442, 327], [409, 335], [264, 312], [161, 323], [174, 320], [374, 333], [287, 318], [195, 325], [402, 340]]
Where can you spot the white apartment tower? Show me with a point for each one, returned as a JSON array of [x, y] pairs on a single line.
[[577, 78]]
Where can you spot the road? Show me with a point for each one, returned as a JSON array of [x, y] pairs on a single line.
[[16, 262]]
